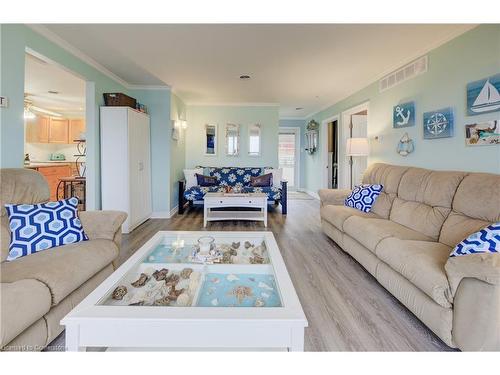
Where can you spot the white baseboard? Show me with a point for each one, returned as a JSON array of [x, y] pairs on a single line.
[[311, 193], [164, 214]]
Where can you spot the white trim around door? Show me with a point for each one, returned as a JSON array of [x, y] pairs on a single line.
[[295, 130]]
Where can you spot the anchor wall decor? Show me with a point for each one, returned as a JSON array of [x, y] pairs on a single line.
[[403, 115]]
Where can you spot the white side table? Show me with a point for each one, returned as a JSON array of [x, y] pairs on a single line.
[[222, 200]]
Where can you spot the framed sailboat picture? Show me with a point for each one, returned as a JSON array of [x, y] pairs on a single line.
[[483, 134], [438, 124], [483, 96]]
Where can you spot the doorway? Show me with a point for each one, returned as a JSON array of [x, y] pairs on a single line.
[[55, 127], [289, 155], [354, 125], [333, 155]]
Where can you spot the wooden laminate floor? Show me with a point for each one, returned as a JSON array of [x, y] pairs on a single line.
[[347, 309]]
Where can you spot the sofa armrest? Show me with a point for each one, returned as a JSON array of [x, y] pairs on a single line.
[[475, 285], [104, 225], [483, 266], [335, 197]]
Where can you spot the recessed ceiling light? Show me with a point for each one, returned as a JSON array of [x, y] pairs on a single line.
[[298, 108], [244, 76], [53, 92]]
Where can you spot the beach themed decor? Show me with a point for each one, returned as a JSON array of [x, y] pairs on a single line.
[[403, 115], [483, 96], [438, 124], [482, 134], [405, 145]]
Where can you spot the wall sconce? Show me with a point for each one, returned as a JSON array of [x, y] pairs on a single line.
[[183, 124]]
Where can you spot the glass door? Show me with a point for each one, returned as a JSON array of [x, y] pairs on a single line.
[[288, 155]]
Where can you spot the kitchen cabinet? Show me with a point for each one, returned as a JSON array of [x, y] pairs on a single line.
[[76, 128], [37, 130], [52, 174], [58, 130]]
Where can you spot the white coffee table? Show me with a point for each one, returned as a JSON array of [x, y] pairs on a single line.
[[222, 200], [235, 305]]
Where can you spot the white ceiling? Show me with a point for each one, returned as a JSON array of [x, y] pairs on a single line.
[[308, 66], [41, 77]]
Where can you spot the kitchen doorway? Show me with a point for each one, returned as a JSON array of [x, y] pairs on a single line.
[[333, 154], [289, 155]]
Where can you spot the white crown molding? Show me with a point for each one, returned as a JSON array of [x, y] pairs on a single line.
[[403, 62], [293, 118], [149, 87], [231, 104]]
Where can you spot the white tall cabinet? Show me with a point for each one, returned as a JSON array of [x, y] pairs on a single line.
[[126, 164]]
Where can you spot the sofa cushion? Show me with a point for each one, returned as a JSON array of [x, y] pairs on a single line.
[[64, 268], [23, 302], [196, 193], [273, 193], [389, 176], [233, 176], [475, 205], [421, 263], [337, 215], [369, 232], [424, 199]]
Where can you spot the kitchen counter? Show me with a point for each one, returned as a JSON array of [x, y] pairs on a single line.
[[41, 164]]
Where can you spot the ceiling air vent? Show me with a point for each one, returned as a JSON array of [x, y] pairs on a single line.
[[405, 73]]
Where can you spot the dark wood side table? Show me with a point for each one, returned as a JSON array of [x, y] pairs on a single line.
[[72, 187]]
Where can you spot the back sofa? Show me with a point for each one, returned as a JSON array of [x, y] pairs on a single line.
[[233, 177], [405, 243]]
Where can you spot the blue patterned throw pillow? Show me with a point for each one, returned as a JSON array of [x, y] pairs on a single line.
[[487, 240], [37, 227], [363, 197]]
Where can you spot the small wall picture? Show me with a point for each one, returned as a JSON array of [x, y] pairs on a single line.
[[482, 134], [403, 115], [438, 124], [483, 96]]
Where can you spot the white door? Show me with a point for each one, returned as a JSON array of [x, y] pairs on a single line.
[[289, 155], [359, 163]]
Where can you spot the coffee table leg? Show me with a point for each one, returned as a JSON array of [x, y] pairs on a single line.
[[73, 339], [297, 336], [205, 213]]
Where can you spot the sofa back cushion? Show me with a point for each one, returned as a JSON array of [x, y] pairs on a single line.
[[389, 176], [476, 204], [424, 199], [235, 176], [18, 185]]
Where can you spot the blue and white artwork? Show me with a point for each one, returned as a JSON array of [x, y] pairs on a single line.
[[403, 115], [483, 96], [438, 124]]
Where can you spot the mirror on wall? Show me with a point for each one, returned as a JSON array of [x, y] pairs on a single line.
[[232, 139], [210, 139], [254, 140]]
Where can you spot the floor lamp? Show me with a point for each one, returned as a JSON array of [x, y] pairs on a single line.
[[356, 147]]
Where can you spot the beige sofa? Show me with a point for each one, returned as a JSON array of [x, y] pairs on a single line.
[[38, 290], [406, 240]]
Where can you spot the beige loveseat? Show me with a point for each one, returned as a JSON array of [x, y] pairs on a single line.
[[406, 240], [38, 290]]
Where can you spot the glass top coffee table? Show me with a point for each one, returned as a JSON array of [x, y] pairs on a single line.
[[194, 290]]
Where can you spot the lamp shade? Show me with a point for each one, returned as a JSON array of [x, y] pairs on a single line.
[[357, 147]]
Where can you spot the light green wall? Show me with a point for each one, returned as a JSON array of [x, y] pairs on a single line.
[[472, 56], [178, 111], [198, 116], [302, 125]]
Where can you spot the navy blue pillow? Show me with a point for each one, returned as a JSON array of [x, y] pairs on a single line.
[[262, 181], [206, 180], [363, 197], [487, 240]]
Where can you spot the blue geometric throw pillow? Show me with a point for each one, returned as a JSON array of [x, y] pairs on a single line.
[[363, 197], [37, 227], [487, 240]]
